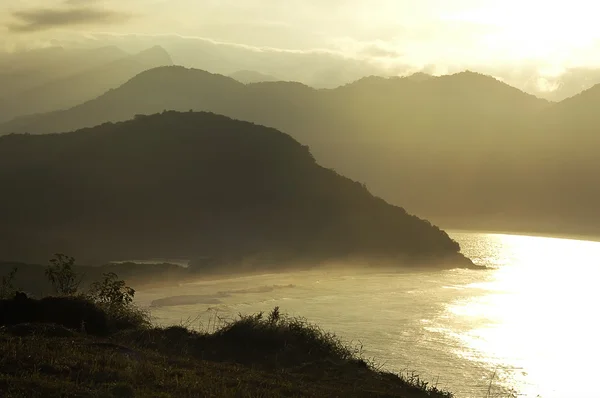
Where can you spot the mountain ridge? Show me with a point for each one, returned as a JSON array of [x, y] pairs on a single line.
[[197, 184], [461, 150]]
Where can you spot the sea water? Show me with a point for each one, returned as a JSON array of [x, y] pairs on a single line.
[[528, 326]]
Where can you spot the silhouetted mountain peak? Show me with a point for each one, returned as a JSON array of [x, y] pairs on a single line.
[[486, 86], [175, 77], [581, 110], [154, 55], [468, 75], [591, 94], [419, 77]]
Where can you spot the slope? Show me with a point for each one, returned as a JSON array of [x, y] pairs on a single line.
[[195, 185]]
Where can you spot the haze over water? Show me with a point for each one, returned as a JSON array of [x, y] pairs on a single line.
[[528, 324]]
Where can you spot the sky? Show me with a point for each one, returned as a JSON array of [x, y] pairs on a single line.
[[552, 34]]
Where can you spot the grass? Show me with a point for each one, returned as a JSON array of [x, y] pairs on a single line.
[[254, 356]]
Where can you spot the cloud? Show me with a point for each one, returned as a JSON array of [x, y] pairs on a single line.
[[380, 51], [43, 19]]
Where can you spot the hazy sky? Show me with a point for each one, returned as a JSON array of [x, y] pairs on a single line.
[[551, 33]]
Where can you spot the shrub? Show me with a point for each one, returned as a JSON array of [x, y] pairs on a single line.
[[116, 298], [76, 313], [112, 291], [7, 288], [107, 308], [62, 276], [283, 339]]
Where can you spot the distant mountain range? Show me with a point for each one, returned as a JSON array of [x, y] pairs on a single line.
[[464, 150], [41, 85], [330, 69], [20, 71], [196, 185]]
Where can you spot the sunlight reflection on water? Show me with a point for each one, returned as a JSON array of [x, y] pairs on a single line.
[[538, 316], [531, 322]]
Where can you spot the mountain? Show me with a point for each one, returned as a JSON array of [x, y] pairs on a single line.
[[579, 111], [249, 76], [571, 130], [195, 185], [464, 150], [65, 92], [316, 68], [424, 102]]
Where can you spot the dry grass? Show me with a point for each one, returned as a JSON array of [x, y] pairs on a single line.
[[255, 356]]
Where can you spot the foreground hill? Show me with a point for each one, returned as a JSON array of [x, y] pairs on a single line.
[[465, 150], [193, 185], [78, 347]]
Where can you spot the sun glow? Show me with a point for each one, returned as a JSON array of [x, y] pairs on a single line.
[[536, 30], [547, 279]]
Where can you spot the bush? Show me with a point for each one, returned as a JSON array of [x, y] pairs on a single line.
[[61, 275], [130, 317], [76, 313], [112, 291], [116, 298], [7, 288], [107, 308], [282, 340]]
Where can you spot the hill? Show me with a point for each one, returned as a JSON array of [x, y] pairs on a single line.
[[465, 151], [73, 346], [194, 185], [62, 91], [448, 102], [578, 112]]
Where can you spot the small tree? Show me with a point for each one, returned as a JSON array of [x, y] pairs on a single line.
[[62, 276], [112, 291], [116, 298], [7, 288]]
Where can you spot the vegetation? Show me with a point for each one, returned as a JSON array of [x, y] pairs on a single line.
[[106, 308], [116, 299], [7, 287], [32, 278], [250, 357], [62, 276], [198, 185], [112, 291], [100, 344]]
